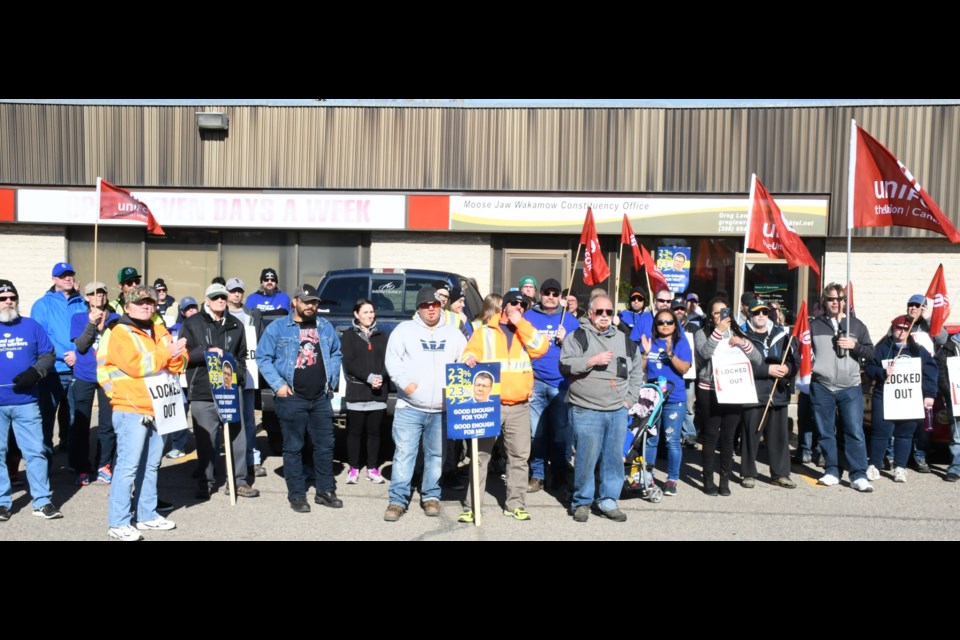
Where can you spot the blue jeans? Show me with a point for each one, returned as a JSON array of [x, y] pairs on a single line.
[[548, 429], [598, 436], [807, 439], [250, 425], [901, 432], [955, 448], [139, 452], [25, 421], [689, 430], [671, 424], [298, 417], [849, 402], [921, 441], [54, 390], [410, 428]]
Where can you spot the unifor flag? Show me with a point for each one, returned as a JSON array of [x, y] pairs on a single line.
[[885, 193], [937, 291], [770, 233], [627, 237], [119, 204], [595, 269], [801, 331], [657, 281]]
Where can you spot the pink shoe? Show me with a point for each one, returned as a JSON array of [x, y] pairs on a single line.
[[373, 475], [353, 475]]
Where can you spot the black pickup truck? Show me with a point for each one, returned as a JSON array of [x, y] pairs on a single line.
[[394, 295]]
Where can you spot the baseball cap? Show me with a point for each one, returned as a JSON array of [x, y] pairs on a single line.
[[307, 292], [426, 294], [756, 304], [515, 296], [235, 283], [61, 268], [216, 289], [902, 322], [693, 296], [140, 293], [93, 287], [159, 283], [678, 303], [186, 302], [550, 283], [917, 299], [127, 273], [637, 291]]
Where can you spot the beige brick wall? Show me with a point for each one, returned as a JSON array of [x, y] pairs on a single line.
[[887, 271], [27, 256], [469, 255]]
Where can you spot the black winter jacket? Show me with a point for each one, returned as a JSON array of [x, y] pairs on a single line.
[[201, 332]]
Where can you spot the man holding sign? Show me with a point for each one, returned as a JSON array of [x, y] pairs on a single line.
[[137, 363], [905, 384]]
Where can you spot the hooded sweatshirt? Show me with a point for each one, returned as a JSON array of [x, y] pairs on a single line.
[[419, 354]]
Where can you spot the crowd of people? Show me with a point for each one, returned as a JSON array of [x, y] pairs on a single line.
[[569, 381]]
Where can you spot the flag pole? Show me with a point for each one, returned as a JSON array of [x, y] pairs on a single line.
[[851, 170], [570, 286], [96, 228], [774, 389], [616, 287], [746, 236]]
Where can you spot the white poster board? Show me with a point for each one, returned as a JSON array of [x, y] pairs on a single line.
[[252, 380], [733, 375], [953, 370], [902, 392], [691, 373], [167, 395], [923, 339]]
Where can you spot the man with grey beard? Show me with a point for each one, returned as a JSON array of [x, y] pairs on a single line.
[[28, 355]]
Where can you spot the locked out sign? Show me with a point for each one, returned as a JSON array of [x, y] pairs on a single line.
[[902, 393]]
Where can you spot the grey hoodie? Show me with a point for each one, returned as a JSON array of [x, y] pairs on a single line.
[[599, 388], [418, 354]]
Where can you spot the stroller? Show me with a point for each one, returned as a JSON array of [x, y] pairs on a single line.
[[646, 420]]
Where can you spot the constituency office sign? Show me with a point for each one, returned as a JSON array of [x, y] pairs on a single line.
[[654, 215], [224, 209]]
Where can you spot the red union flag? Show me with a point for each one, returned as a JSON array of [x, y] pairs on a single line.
[[117, 203], [627, 237], [657, 281], [885, 194], [770, 233], [937, 291], [801, 331], [595, 269]]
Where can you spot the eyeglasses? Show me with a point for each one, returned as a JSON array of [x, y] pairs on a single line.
[[603, 312], [550, 294], [835, 298], [760, 312], [665, 300], [131, 283], [219, 296], [911, 305], [9, 299], [665, 323], [429, 305]]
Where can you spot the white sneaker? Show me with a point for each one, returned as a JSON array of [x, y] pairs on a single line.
[[352, 475], [873, 473], [160, 524], [899, 474], [861, 484], [828, 480], [125, 533]]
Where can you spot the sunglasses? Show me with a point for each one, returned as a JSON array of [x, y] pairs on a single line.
[[160, 289], [429, 305], [9, 299], [131, 283], [760, 312], [835, 298], [913, 304], [603, 312], [518, 303], [269, 280], [550, 294], [665, 323], [636, 298], [219, 296], [665, 300], [902, 327]]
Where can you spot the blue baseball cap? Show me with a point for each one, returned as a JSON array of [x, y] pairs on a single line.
[[917, 299], [61, 268], [187, 301]]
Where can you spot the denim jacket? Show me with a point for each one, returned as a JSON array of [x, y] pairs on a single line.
[[278, 347]]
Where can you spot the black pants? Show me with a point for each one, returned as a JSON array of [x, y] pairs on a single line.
[[357, 423], [720, 421], [775, 434]]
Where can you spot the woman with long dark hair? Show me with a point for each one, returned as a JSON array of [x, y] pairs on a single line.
[[720, 420], [668, 355], [364, 349]]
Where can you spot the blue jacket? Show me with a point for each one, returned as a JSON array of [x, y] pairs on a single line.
[[278, 347], [54, 312], [23, 343], [547, 367], [263, 302]]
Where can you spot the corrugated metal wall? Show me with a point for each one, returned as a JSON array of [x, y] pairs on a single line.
[[793, 150]]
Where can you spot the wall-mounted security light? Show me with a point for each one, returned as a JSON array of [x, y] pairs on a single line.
[[213, 120]]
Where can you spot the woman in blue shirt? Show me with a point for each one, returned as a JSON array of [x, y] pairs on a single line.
[[668, 355]]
